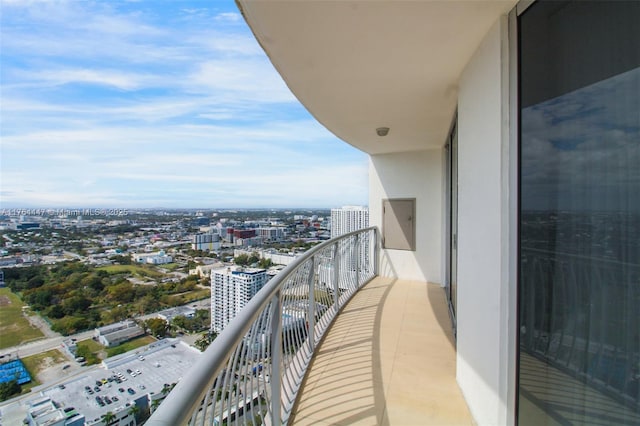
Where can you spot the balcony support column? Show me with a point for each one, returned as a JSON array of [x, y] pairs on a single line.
[[376, 252], [311, 310], [336, 274], [276, 359], [358, 249]]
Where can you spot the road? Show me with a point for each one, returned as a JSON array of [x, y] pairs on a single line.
[[43, 345]]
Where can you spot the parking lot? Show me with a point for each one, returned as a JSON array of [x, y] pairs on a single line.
[[129, 377]]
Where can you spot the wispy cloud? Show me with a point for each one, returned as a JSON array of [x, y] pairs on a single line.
[[146, 103]]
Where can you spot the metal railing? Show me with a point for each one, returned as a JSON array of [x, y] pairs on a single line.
[[579, 315], [253, 370]]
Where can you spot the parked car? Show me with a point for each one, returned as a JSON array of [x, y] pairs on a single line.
[[131, 391]]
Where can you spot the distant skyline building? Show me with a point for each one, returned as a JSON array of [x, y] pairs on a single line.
[[206, 242], [231, 289], [343, 221], [271, 233], [347, 219], [157, 258]]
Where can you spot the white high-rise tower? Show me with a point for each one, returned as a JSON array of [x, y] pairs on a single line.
[[343, 221], [231, 289], [347, 219]]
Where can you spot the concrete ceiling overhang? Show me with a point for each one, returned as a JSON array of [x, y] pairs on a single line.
[[360, 65]]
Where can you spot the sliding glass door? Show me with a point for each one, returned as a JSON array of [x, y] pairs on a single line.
[[579, 237]]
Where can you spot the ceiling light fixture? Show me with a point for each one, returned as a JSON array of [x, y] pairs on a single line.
[[382, 131]]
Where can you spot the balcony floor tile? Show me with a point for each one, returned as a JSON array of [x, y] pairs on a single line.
[[388, 359]]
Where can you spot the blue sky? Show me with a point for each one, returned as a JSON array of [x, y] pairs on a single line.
[[156, 104]]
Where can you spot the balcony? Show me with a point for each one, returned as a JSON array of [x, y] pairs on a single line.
[[389, 358], [328, 342]]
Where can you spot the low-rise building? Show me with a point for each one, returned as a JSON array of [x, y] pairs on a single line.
[[114, 334], [45, 411], [156, 258], [179, 311], [71, 346], [206, 242], [274, 255], [205, 270]]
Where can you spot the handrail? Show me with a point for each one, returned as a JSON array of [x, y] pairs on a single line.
[[252, 371]]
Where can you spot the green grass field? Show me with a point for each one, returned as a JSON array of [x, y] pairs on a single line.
[[137, 270], [14, 328], [169, 266], [130, 345], [190, 296], [93, 346]]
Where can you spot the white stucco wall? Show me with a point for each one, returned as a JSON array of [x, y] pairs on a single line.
[[483, 181], [410, 175]]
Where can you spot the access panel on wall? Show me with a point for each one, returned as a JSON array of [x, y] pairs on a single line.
[[398, 224]]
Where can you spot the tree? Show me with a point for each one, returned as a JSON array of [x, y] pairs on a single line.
[[147, 304], [108, 417], [242, 260], [116, 314], [35, 282], [265, 263], [182, 322], [205, 340], [134, 411], [93, 281], [201, 320], [84, 351], [75, 304], [55, 311], [122, 292], [157, 326], [122, 260], [8, 389], [39, 299]]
